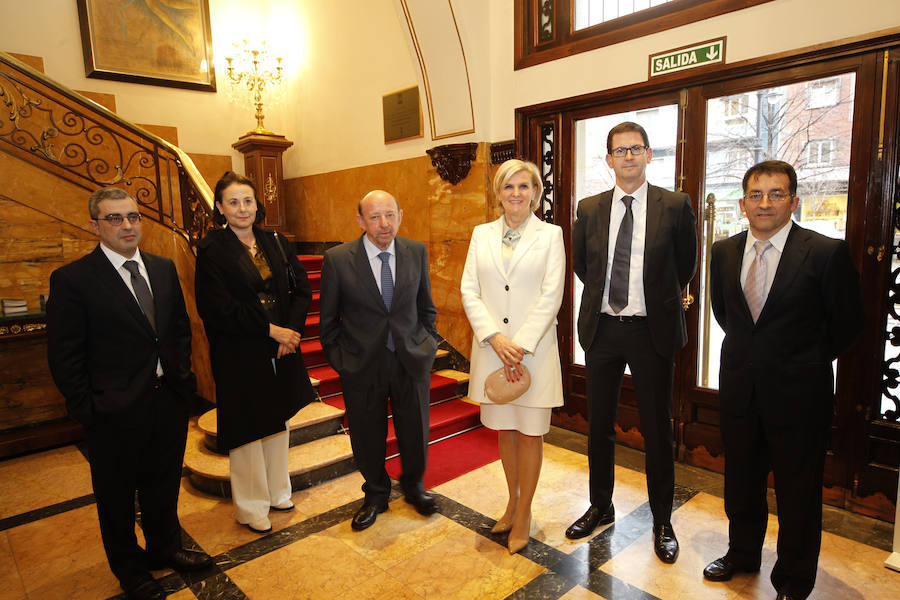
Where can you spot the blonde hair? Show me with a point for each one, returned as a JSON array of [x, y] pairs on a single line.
[[513, 166]]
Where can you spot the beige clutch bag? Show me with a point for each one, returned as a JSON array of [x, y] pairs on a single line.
[[500, 391]]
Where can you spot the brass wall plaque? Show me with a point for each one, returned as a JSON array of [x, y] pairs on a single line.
[[402, 115]]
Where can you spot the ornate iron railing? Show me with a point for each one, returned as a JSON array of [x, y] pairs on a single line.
[[64, 132]]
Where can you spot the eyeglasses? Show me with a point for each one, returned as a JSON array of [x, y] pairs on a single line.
[[623, 150], [774, 197], [116, 219]]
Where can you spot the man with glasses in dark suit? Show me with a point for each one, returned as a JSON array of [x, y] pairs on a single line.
[[635, 249], [119, 348], [788, 300]]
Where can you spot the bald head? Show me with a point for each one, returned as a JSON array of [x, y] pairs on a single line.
[[375, 195], [379, 215]]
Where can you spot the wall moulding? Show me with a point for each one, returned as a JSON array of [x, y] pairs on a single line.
[[453, 161]]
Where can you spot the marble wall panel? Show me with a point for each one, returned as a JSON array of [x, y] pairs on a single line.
[[211, 166]]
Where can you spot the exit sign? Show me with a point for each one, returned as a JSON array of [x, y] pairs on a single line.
[[688, 57]]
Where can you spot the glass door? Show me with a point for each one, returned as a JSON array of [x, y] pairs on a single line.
[[808, 124]]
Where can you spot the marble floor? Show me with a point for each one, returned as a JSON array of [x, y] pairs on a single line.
[[50, 542]]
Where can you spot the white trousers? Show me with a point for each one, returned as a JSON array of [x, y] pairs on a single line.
[[260, 476]]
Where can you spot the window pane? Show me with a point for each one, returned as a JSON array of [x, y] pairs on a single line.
[[807, 124], [593, 12], [593, 175]]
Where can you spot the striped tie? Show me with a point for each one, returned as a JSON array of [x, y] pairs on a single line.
[[755, 284], [387, 290]]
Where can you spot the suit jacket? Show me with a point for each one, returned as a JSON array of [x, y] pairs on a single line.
[[812, 314], [670, 260], [521, 303], [354, 322], [101, 348], [241, 351]]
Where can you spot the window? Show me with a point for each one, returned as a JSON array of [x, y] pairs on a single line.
[[551, 29], [592, 12], [736, 106], [822, 93], [820, 153]]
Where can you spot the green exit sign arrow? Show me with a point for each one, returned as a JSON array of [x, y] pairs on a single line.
[[688, 57]]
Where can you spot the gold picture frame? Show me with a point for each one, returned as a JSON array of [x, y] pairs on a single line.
[[156, 42]]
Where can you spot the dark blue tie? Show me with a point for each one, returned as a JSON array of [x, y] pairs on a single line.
[[618, 280], [387, 290]]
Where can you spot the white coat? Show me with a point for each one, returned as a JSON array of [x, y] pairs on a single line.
[[521, 303]]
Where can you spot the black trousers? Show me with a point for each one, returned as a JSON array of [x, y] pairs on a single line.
[[367, 414], [615, 344], [142, 455], [796, 456]]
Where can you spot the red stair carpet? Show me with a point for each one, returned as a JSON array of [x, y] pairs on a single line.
[[454, 456]]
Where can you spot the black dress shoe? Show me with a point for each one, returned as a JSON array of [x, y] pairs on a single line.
[[148, 590], [664, 543], [589, 521], [182, 560], [366, 515], [723, 569], [423, 502]]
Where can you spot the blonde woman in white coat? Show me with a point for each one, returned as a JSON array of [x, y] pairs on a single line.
[[512, 288]]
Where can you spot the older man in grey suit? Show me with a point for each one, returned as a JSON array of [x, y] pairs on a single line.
[[377, 329]]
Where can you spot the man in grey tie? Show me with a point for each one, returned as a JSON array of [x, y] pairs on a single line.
[[635, 249], [377, 330], [789, 302], [119, 348]]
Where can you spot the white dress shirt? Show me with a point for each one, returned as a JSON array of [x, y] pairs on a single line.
[[637, 305], [771, 257], [372, 251], [118, 263]]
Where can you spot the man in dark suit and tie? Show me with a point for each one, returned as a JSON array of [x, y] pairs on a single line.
[[377, 329], [789, 302], [635, 249], [119, 348]]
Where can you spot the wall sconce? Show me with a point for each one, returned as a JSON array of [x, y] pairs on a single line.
[[254, 69]]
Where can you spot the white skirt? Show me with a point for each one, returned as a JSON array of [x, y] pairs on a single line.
[[524, 419]]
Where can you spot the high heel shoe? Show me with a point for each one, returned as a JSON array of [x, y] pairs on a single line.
[[501, 526], [515, 543]]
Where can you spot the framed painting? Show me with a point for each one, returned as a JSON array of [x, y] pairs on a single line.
[[157, 42]]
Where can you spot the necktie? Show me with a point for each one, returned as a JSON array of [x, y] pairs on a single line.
[[618, 280], [387, 290], [755, 284], [142, 291]]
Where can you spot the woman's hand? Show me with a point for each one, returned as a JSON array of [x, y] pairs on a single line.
[[284, 350], [287, 339], [510, 353]]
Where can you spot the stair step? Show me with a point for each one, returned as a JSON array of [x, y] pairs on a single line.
[[311, 262], [315, 281], [314, 304], [313, 421], [311, 329], [309, 464], [444, 419]]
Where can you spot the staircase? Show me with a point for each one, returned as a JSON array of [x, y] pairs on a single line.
[[319, 444]]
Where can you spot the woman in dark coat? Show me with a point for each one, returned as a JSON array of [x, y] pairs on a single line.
[[254, 323]]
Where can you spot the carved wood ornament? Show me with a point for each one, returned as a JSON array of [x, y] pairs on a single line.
[[453, 161]]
